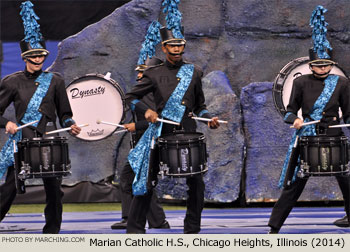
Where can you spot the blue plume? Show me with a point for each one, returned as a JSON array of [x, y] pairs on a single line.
[[31, 27], [319, 32], [152, 39], [173, 17]]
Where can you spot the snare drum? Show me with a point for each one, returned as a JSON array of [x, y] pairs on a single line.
[[96, 97], [43, 157], [283, 84], [182, 154], [324, 156]]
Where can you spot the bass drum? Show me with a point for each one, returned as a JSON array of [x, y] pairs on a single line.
[[95, 97], [282, 86]]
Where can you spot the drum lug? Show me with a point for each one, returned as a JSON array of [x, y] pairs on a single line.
[[25, 169], [304, 168], [163, 169], [300, 174]]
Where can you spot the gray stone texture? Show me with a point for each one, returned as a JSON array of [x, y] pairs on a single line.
[[267, 141], [236, 42]]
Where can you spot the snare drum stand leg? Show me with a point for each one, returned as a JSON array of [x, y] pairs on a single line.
[[190, 158]]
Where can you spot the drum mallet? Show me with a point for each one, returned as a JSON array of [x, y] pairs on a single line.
[[65, 129], [307, 123], [207, 119], [109, 123]]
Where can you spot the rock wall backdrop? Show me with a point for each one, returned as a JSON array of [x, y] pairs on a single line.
[[241, 47]]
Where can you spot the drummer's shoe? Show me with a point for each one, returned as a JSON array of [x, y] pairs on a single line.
[[120, 225], [164, 225], [343, 222], [274, 231]]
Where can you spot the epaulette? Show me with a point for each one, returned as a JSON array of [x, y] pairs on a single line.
[[11, 75], [151, 67]]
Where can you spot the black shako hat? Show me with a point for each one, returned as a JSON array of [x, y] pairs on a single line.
[[33, 43], [315, 60], [169, 38]]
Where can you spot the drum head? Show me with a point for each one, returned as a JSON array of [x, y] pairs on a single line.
[[282, 87], [93, 98]]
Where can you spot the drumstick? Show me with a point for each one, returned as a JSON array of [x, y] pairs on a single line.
[[339, 126], [307, 123], [120, 131], [25, 125], [207, 119], [65, 129], [109, 123], [167, 121]]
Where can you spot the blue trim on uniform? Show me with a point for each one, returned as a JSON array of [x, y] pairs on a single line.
[[286, 116], [133, 104], [204, 111], [65, 122]]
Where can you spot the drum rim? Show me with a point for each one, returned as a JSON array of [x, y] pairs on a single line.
[[162, 137], [116, 85], [285, 70], [45, 139], [313, 138]]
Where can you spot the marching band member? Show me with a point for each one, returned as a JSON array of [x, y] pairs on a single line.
[[319, 95], [177, 89], [37, 95]]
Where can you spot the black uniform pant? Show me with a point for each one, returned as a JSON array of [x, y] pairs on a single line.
[[291, 194], [155, 215], [195, 202], [53, 209]]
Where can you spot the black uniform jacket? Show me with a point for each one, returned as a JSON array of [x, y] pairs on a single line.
[[139, 118], [19, 88], [161, 80], [307, 88]]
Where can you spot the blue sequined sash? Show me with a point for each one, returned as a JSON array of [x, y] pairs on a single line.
[[32, 114], [310, 130], [173, 110]]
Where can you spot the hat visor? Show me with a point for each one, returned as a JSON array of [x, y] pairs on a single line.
[[178, 42], [35, 52], [321, 62]]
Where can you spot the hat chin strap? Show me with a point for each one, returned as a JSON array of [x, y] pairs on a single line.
[[318, 75], [177, 53], [34, 63]]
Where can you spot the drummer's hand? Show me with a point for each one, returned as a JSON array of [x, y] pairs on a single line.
[[11, 128], [75, 129], [130, 127], [298, 123], [214, 124], [151, 116]]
